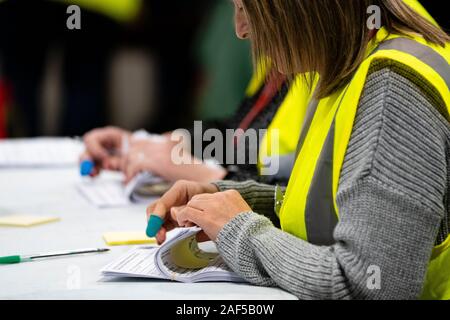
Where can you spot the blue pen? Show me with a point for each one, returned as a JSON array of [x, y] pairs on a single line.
[[154, 224], [86, 167]]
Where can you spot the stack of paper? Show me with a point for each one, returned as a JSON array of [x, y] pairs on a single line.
[[104, 193], [178, 259], [39, 152], [110, 192]]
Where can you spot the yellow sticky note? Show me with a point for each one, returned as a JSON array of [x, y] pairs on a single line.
[[25, 220], [127, 238]]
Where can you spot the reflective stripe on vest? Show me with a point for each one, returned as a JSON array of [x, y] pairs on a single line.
[[309, 209], [421, 52]]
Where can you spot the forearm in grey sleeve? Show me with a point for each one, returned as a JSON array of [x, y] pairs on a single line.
[[390, 200], [396, 245]]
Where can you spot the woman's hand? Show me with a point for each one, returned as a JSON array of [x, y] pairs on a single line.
[[173, 201], [155, 156], [152, 155], [103, 146], [212, 212]]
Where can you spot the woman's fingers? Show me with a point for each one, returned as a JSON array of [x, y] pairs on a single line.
[[84, 156], [188, 216], [158, 208], [134, 162], [204, 197], [150, 209], [161, 235], [132, 170], [161, 208], [124, 162], [95, 145], [166, 227], [169, 206], [205, 202], [202, 237], [174, 212], [178, 195], [96, 169], [102, 146], [112, 163], [95, 149], [115, 162]]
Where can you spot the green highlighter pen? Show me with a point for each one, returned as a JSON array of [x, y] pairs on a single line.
[[27, 258]]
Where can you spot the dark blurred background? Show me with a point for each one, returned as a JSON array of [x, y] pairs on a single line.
[[152, 64], [136, 64], [439, 10]]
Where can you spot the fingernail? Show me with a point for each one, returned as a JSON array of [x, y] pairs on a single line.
[[154, 224]]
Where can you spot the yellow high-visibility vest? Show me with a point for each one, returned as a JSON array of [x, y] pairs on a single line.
[[309, 209], [286, 121], [120, 10]]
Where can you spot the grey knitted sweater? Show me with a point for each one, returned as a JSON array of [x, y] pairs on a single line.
[[392, 202]]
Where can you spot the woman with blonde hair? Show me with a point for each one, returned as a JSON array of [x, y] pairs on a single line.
[[366, 211]]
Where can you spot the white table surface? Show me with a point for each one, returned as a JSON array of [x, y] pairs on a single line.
[[52, 192]]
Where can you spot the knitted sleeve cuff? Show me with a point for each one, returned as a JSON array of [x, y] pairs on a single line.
[[260, 197]]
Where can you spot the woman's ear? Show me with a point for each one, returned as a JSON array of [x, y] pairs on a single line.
[[241, 21]]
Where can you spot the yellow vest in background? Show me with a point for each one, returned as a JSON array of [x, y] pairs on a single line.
[[257, 80], [309, 209], [287, 120], [120, 10]]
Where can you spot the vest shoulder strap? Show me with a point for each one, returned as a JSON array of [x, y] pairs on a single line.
[[427, 55]]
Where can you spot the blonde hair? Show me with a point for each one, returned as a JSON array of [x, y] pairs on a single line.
[[327, 36]]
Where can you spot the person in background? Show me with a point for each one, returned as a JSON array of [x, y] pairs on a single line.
[[151, 154], [33, 32], [155, 155], [257, 111], [366, 212]]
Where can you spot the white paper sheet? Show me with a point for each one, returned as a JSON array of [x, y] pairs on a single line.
[[104, 192], [139, 262], [39, 152], [108, 190]]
